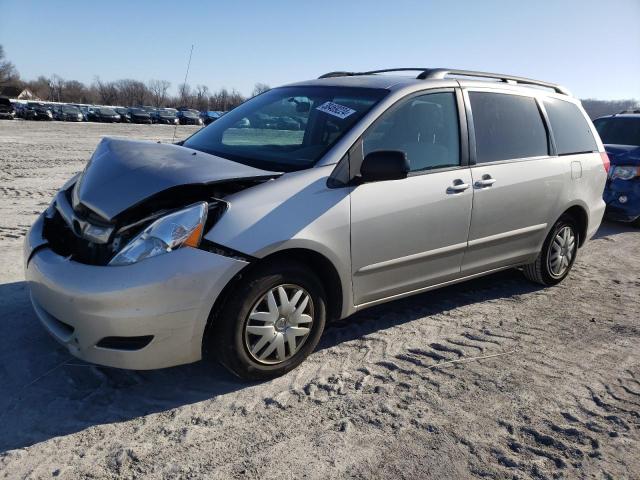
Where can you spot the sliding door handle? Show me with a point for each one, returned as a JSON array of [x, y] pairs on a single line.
[[458, 186]]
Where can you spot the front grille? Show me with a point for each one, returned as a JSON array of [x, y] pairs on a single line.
[[66, 243]]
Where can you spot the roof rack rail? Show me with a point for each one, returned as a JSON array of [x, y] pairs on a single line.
[[440, 73]]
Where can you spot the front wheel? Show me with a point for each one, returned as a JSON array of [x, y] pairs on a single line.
[[270, 323], [557, 256]]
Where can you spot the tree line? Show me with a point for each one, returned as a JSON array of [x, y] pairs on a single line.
[[124, 92], [129, 92]]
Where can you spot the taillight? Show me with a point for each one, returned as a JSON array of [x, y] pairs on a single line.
[[605, 161]]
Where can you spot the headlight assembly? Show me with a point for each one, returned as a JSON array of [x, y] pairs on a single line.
[[178, 229], [625, 172]]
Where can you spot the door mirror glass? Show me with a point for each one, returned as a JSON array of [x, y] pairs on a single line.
[[384, 165]]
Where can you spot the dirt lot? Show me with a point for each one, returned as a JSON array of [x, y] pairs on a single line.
[[557, 394]]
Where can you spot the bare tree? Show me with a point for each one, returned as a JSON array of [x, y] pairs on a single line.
[[202, 97], [77, 92], [131, 92], [260, 88], [56, 88], [598, 108], [184, 95], [8, 73], [158, 91], [107, 92]]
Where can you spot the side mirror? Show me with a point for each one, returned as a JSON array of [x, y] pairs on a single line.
[[384, 165]]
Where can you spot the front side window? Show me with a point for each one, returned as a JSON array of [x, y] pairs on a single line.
[[507, 127], [288, 128], [619, 130], [424, 127], [570, 128]]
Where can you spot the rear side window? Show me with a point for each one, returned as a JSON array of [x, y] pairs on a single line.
[[570, 128], [507, 127]]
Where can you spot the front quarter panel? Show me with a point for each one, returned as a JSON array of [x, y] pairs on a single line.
[[296, 210]]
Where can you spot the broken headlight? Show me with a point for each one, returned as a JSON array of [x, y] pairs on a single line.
[[174, 230]]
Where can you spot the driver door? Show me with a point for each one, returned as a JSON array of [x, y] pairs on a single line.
[[412, 233]]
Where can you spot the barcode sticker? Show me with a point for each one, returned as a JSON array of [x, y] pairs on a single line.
[[336, 110]]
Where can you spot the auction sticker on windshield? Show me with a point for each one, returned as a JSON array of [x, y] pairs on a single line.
[[336, 110]]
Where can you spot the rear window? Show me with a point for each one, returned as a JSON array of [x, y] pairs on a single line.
[[570, 128], [619, 130], [507, 127]]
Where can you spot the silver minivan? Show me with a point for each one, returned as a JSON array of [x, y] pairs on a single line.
[[308, 203]]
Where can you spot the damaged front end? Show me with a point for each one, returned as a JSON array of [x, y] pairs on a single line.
[[170, 214], [83, 236]]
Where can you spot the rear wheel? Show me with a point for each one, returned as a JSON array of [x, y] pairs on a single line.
[[557, 256], [270, 323]]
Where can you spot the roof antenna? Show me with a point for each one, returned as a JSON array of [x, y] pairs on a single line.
[[183, 88]]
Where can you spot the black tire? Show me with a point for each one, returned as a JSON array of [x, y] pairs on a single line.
[[225, 339], [540, 271]]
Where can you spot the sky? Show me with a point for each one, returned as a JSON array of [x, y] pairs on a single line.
[[590, 46]]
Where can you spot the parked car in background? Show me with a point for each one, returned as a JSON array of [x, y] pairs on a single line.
[[189, 117], [20, 109], [211, 116], [104, 115], [139, 115], [621, 137], [166, 116], [242, 243], [125, 117], [7, 112], [54, 108], [37, 111], [69, 113]]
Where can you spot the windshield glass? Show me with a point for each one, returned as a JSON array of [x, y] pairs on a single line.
[[167, 113], [619, 130], [286, 129], [138, 111], [106, 111], [69, 109]]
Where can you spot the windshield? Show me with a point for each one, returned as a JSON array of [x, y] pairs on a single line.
[[106, 111], [286, 129], [138, 111], [69, 109], [619, 130], [167, 113], [190, 114]]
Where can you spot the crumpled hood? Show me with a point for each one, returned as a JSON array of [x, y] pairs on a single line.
[[123, 173], [623, 154]]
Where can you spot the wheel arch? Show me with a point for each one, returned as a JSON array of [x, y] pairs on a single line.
[[579, 214], [320, 265]]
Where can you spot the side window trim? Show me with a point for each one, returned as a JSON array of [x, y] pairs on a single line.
[[553, 151], [472, 136], [355, 154]]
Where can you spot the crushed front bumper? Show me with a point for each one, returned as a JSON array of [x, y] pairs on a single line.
[[167, 298]]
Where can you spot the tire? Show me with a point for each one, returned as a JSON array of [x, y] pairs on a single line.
[[230, 341], [542, 269]]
